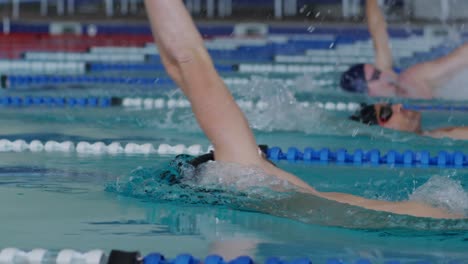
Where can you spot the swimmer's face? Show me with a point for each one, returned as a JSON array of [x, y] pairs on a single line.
[[379, 83], [395, 117]]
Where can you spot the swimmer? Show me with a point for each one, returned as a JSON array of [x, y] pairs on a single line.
[[394, 116], [187, 61], [418, 81]]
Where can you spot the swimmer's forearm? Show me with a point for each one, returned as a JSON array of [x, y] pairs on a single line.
[[378, 30], [375, 19], [436, 72], [187, 60], [450, 132], [402, 208], [175, 34]]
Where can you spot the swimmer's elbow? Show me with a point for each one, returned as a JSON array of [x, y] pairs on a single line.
[[186, 55], [174, 63], [181, 64], [183, 57]]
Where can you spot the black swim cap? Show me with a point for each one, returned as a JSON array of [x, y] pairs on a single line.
[[366, 115], [197, 161], [354, 79], [173, 174]]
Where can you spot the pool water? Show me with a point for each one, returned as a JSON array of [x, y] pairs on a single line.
[[83, 201], [59, 201], [62, 200]]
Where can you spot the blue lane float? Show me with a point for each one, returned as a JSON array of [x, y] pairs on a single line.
[[150, 103], [264, 53], [48, 101], [373, 157], [461, 108], [31, 81], [156, 258], [68, 256], [91, 102], [154, 66], [408, 158]]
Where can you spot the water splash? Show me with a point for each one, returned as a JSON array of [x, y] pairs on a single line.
[[249, 180], [282, 111], [250, 189], [443, 192], [181, 182]]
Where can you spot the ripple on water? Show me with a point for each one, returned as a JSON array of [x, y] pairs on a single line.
[[443, 192], [249, 188]]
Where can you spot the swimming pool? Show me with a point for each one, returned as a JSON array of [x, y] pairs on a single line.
[[68, 199]]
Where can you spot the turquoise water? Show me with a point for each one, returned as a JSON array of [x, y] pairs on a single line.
[[54, 200], [85, 201]]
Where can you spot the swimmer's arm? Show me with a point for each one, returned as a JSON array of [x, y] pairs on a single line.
[[188, 62], [378, 30], [403, 208], [435, 72], [449, 132]]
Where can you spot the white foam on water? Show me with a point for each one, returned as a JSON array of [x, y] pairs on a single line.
[[443, 192], [235, 177], [281, 110]]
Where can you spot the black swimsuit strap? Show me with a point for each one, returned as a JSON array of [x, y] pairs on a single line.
[[202, 159], [173, 174], [210, 156]]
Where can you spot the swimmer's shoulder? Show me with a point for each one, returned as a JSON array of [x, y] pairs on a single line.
[[414, 86]]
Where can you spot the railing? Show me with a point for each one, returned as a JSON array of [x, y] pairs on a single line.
[[208, 8], [345, 9]]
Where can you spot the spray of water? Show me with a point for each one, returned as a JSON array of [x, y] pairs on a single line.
[[249, 188], [283, 112], [443, 192]]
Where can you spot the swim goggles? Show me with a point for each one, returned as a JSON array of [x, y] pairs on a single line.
[[375, 75], [368, 115], [386, 112]]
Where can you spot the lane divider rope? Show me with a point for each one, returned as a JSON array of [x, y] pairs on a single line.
[[373, 157], [33, 81], [323, 59], [162, 103], [290, 68], [153, 66], [29, 82], [84, 147], [83, 57], [68, 256], [146, 103], [324, 155], [460, 108], [42, 67]]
